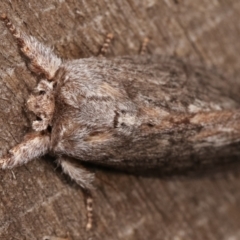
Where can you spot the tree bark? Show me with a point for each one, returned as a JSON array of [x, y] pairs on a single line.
[[37, 200]]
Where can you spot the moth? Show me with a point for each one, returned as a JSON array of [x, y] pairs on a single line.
[[125, 112]]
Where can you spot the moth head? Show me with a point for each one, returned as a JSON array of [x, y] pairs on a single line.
[[42, 103]]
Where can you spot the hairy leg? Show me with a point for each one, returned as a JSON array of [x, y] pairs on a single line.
[[76, 172], [82, 177], [42, 59], [33, 145]]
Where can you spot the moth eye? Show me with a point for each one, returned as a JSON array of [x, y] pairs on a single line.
[[42, 92]]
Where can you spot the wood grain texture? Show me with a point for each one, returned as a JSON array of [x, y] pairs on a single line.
[[38, 201]]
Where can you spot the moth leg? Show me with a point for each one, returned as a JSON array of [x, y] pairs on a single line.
[[82, 177], [89, 206], [42, 59], [33, 145], [106, 45], [76, 172], [143, 48]]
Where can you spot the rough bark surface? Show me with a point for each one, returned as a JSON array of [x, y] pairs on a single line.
[[37, 201]]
